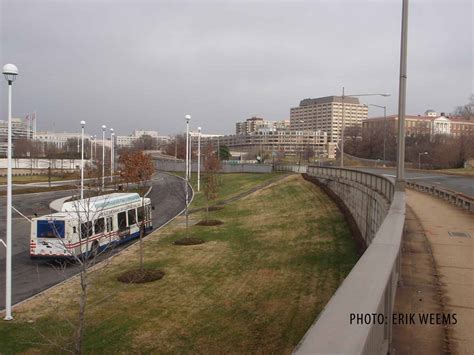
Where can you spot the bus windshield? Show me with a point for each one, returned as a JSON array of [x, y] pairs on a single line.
[[50, 229]]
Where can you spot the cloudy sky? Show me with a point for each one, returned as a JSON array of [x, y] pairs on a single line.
[[145, 64]]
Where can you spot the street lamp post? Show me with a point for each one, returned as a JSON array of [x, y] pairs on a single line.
[[83, 123], [95, 146], [419, 158], [10, 72], [92, 144], [199, 159], [384, 126], [103, 155], [402, 90], [187, 117], [343, 118], [112, 154]]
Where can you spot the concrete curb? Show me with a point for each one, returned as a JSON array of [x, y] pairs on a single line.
[[57, 204]]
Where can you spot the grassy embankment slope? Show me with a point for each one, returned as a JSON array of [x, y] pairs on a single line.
[[256, 285]]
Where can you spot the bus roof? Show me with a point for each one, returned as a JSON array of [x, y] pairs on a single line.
[[102, 202]]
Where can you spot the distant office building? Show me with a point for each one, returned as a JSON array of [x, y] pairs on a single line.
[[127, 141], [325, 114], [59, 139], [420, 125], [256, 124], [284, 141], [20, 130]]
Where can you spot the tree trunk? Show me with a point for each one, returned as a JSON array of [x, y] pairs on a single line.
[[82, 311]]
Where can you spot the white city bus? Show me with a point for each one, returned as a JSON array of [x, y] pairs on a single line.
[[85, 227]]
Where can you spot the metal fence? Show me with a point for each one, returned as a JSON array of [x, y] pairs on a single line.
[[453, 197], [358, 317]]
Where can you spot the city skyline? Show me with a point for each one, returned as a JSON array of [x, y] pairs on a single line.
[[146, 65]]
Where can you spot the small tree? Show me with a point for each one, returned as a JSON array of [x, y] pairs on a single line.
[[211, 168], [136, 167]]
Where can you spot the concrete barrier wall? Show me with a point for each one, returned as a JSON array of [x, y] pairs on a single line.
[[179, 165], [453, 197], [25, 163], [370, 287]]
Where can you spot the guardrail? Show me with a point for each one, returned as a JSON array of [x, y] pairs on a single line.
[[358, 317], [454, 197]]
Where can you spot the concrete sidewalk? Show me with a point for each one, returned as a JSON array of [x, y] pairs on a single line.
[[437, 276]]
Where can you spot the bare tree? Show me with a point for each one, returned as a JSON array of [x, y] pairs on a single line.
[[86, 254], [467, 110], [211, 169]]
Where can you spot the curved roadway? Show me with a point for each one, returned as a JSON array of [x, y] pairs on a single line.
[[31, 277], [458, 183]]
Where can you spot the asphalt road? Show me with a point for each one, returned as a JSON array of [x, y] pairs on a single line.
[[33, 276], [463, 184]]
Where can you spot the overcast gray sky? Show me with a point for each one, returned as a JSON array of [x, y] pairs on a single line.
[[145, 64]]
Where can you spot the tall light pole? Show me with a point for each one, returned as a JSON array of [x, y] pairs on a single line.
[[92, 144], [199, 159], [111, 155], [10, 72], [400, 180], [187, 118], [103, 155], [190, 157], [343, 118], [419, 158], [95, 147], [384, 126], [83, 123]]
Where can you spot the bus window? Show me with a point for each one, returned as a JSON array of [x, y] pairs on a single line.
[[110, 225], [132, 217], [122, 221], [99, 226], [86, 230], [141, 214], [50, 229]]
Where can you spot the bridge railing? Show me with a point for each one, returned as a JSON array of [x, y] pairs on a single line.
[[454, 197], [358, 317]]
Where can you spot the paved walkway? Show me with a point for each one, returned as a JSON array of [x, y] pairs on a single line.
[[437, 277]]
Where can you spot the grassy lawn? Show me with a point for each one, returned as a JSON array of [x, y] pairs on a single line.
[[255, 286], [230, 185]]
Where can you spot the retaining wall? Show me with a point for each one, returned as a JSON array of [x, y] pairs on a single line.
[[370, 287], [179, 165]]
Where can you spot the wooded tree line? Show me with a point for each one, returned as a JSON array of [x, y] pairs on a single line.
[[177, 148], [443, 151]]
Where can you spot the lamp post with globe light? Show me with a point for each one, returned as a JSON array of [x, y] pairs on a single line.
[[10, 71], [83, 123], [103, 155], [199, 160], [112, 154]]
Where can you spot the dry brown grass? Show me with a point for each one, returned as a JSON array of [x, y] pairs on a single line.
[[255, 286]]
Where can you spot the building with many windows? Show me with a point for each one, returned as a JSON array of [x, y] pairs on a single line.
[[20, 130], [255, 124], [279, 141], [419, 125], [325, 114], [127, 141]]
